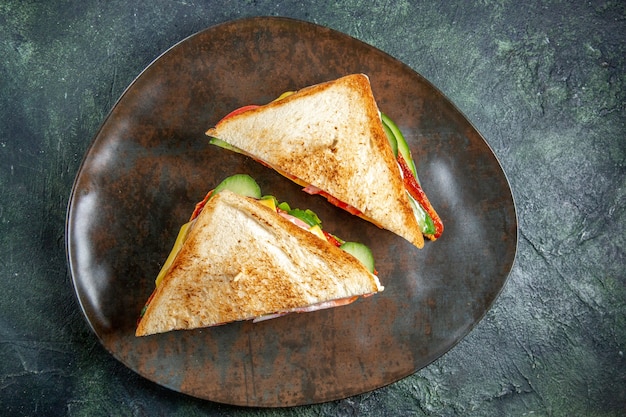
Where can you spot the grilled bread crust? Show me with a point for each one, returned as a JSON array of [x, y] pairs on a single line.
[[240, 261], [330, 135]]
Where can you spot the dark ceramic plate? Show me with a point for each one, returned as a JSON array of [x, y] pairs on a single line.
[[150, 163]]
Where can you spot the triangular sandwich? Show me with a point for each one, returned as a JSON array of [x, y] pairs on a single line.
[[243, 260], [330, 139]]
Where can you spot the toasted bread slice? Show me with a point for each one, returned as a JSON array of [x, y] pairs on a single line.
[[243, 261], [330, 136]]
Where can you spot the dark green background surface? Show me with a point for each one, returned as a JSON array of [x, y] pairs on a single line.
[[544, 83]]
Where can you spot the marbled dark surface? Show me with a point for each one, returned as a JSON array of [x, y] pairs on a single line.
[[545, 84]]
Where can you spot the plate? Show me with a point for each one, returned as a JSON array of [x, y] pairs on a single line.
[[150, 163]]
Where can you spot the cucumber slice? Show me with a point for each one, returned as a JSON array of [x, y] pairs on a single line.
[[361, 252], [403, 147], [241, 184], [392, 140]]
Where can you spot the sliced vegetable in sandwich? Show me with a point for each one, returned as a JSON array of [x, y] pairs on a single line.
[[332, 139], [244, 256]]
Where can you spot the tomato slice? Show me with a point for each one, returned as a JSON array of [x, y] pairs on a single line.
[[331, 238], [313, 190], [413, 187], [200, 206], [240, 110]]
